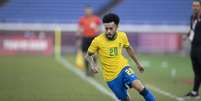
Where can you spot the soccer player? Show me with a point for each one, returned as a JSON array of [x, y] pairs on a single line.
[[116, 70], [87, 30]]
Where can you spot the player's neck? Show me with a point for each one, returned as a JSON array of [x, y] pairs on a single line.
[[115, 36]]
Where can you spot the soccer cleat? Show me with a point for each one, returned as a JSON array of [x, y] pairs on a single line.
[[192, 94]]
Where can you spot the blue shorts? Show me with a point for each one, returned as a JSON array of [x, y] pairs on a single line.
[[122, 82]]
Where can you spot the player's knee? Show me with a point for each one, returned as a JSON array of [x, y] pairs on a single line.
[[138, 85]]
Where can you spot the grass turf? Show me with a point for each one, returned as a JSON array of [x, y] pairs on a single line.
[[38, 78]]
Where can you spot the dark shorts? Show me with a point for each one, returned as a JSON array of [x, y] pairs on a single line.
[[121, 84], [86, 42]]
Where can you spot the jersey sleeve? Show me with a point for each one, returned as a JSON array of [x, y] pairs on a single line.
[[125, 40], [93, 47]]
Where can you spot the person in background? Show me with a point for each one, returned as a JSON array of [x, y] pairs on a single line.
[[88, 27], [195, 38]]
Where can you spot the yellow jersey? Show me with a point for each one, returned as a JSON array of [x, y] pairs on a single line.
[[110, 54]]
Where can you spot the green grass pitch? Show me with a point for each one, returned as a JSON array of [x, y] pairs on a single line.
[[38, 78]]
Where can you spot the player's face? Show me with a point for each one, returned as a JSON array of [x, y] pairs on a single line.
[[196, 7], [110, 30]]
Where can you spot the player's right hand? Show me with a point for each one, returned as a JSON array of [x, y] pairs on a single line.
[[141, 69]]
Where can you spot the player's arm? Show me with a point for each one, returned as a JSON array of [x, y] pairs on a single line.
[[131, 53], [90, 58], [90, 55]]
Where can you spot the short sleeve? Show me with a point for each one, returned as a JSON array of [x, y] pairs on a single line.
[[94, 46], [125, 40]]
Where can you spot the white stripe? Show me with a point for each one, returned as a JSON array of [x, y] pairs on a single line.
[[162, 92], [85, 78], [73, 27]]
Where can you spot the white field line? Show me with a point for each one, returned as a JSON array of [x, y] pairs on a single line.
[[91, 81], [164, 93], [160, 91]]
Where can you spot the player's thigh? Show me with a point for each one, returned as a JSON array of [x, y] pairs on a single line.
[[118, 87], [131, 80], [137, 84], [119, 90]]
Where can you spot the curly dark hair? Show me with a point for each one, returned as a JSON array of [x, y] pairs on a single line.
[[111, 17]]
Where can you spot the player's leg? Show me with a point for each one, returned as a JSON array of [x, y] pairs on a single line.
[[132, 81], [118, 88], [148, 96]]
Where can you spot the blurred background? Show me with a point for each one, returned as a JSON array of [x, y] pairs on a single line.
[[38, 48]]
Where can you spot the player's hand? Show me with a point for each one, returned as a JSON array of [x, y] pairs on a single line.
[[94, 69], [140, 68]]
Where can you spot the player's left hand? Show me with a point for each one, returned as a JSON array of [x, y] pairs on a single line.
[[94, 69], [140, 68]]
